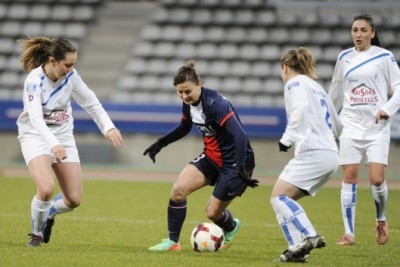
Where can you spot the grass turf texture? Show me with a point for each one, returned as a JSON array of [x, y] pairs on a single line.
[[119, 220]]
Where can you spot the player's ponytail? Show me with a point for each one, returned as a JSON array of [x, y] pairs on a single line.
[[301, 61], [37, 51]]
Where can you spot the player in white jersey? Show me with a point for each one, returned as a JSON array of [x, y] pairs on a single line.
[[364, 76], [45, 128], [312, 126]]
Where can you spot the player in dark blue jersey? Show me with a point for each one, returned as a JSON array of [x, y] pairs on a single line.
[[226, 163]]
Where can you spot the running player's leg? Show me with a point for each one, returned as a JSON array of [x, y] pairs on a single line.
[[41, 172], [189, 180], [377, 152], [351, 152], [69, 176]]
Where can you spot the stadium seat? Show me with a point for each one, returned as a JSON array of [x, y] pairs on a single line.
[[18, 12], [32, 28], [241, 69], [249, 52], [207, 51], [257, 35], [231, 85], [236, 35], [61, 13], [215, 34], [186, 50], [156, 66], [136, 66], [151, 33], [11, 29], [252, 85], [75, 30], [260, 69], [227, 51], [223, 17], [171, 33], [219, 68], [53, 29]]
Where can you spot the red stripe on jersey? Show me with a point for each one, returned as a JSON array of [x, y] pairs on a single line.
[[184, 117], [226, 118], [212, 150]]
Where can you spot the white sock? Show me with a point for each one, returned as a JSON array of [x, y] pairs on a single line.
[[58, 206], [348, 196], [39, 212], [380, 194], [291, 233], [294, 219]]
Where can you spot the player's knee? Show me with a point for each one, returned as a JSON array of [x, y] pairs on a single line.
[[45, 193], [178, 194], [73, 200], [213, 215]]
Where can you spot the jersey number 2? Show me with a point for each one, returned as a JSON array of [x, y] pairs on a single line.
[[327, 115]]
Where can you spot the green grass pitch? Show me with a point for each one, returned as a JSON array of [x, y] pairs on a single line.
[[118, 220]]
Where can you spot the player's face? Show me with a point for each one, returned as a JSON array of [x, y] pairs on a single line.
[[284, 73], [362, 34], [64, 66], [189, 92]]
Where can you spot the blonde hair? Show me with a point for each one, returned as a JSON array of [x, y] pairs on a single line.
[[301, 61], [37, 50]]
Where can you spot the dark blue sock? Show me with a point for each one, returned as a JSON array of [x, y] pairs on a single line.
[[226, 222], [176, 217]]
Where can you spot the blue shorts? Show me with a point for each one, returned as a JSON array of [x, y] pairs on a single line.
[[227, 184]]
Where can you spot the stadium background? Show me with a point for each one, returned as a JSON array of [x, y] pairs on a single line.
[[129, 51]]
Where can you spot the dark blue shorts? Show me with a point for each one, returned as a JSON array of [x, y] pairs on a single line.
[[227, 184]]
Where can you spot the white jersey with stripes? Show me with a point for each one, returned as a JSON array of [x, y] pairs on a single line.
[[361, 85], [312, 122], [47, 110]]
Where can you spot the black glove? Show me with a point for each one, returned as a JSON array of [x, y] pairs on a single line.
[[153, 150], [241, 171], [283, 148]]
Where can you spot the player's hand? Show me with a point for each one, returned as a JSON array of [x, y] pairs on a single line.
[[153, 150], [241, 171], [283, 148], [59, 152], [381, 115], [115, 137]]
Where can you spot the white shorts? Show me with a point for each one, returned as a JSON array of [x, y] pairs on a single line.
[[33, 146], [310, 170], [352, 151]]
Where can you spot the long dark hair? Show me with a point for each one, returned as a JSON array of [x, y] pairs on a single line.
[[370, 20]]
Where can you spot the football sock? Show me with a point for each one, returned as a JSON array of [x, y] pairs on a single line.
[[292, 212], [292, 234], [226, 222], [58, 206], [348, 197], [380, 194], [176, 217], [39, 212]]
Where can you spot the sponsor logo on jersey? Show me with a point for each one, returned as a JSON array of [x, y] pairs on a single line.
[[206, 130], [56, 117], [363, 95]]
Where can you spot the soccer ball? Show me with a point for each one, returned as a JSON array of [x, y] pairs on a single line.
[[207, 237]]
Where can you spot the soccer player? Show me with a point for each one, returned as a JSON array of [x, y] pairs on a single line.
[[45, 128], [227, 161], [312, 126], [364, 76]]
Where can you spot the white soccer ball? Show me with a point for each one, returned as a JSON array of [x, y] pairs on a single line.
[[207, 237]]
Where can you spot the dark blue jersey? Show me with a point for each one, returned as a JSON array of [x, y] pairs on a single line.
[[225, 141]]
